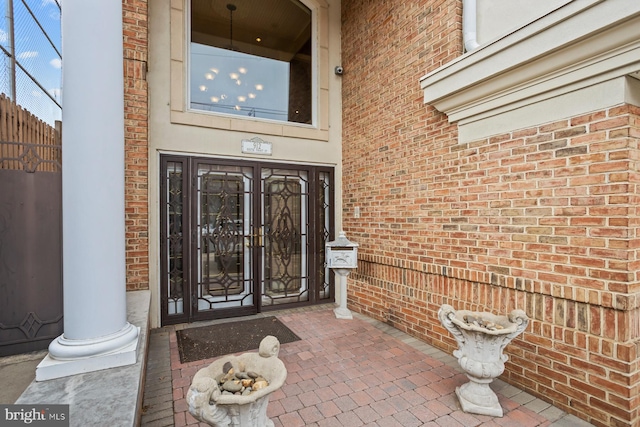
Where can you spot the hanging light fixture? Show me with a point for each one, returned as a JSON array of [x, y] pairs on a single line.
[[232, 7]]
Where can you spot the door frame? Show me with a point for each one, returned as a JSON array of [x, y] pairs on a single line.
[[318, 235]]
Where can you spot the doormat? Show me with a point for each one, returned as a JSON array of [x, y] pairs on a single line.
[[227, 338]]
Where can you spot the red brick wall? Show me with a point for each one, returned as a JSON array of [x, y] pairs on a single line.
[[136, 142], [542, 219]]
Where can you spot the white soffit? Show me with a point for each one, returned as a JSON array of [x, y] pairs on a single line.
[[579, 45]]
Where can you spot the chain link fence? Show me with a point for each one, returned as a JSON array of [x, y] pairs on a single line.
[[31, 60]]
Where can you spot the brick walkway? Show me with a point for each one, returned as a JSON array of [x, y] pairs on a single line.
[[351, 373]]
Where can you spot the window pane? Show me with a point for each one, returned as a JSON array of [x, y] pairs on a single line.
[[252, 59]]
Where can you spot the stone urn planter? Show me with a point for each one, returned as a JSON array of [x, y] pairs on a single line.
[[481, 339], [256, 376]]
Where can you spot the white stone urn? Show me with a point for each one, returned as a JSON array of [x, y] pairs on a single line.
[[208, 404], [481, 339]]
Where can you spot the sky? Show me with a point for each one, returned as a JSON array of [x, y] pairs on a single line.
[[38, 52]]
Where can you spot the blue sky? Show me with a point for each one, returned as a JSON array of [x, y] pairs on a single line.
[[39, 55]]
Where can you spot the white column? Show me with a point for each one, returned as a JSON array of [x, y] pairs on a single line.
[[96, 332]]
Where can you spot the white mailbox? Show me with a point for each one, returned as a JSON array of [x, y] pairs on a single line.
[[342, 257], [341, 253]]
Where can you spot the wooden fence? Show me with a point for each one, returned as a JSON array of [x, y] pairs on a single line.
[[26, 142]]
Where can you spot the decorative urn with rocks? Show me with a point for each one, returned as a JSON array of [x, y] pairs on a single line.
[[481, 339], [234, 391]]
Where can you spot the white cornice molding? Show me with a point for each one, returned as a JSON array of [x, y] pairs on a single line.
[[581, 44]]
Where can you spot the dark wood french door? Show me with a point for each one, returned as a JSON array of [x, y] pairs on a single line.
[[242, 237]]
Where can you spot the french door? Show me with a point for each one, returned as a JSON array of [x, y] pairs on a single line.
[[241, 237]]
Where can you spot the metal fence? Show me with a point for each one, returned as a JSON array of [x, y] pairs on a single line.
[[30, 56], [30, 231]]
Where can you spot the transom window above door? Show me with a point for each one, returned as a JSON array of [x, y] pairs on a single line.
[[252, 58]]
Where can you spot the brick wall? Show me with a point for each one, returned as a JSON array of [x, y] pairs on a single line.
[[136, 142], [542, 219]]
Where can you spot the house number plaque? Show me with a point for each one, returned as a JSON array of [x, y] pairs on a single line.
[[256, 146]]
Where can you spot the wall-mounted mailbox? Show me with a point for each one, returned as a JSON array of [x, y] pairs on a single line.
[[341, 253]]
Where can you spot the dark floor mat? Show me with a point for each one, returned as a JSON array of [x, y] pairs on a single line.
[[227, 338]]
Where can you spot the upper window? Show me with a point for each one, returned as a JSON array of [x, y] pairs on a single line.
[[252, 58]]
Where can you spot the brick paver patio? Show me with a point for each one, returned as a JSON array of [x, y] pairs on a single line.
[[351, 373]]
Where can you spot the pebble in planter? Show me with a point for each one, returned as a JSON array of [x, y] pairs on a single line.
[[234, 391], [481, 339]]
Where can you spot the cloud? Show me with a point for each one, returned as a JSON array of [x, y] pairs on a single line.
[[56, 63], [55, 92], [4, 36], [27, 54], [54, 12]]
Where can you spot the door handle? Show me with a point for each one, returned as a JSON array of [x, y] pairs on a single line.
[[250, 239], [260, 235]]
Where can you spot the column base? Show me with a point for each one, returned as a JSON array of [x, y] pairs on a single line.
[[342, 313], [70, 357]]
